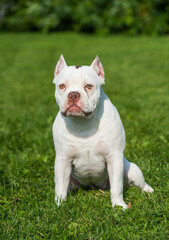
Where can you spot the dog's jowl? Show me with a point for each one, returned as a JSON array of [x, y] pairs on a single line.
[[88, 135]]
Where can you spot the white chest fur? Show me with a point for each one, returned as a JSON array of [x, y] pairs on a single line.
[[89, 164]]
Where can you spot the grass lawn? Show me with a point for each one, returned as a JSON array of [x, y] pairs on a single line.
[[137, 82]]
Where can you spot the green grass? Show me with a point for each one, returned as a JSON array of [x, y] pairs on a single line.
[[137, 82]]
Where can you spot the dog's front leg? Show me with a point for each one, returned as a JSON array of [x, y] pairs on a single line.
[[115, 167], [62, 178]]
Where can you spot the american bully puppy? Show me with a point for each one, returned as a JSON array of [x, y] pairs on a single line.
[[88, 135]]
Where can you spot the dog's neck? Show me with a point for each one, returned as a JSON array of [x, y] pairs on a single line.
[[86, 126]]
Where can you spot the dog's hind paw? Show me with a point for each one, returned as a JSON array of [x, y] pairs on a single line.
[[147, 188]]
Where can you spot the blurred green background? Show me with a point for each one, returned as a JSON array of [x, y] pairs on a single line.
[[91, 16]]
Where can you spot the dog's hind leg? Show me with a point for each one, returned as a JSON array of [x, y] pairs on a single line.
[[134, 176]]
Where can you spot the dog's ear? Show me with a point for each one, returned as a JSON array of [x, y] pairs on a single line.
[[97, 66], [60, 65]]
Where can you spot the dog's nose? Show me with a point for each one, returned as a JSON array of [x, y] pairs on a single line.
[[73, 96]]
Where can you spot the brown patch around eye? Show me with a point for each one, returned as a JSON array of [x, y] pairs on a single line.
[[78, 66]]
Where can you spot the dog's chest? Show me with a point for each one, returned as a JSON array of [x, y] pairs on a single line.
[[89, 160]]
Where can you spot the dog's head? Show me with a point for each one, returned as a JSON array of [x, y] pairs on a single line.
[[78, 87]]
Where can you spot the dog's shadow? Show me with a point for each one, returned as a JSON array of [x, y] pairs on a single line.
[[74, 191]]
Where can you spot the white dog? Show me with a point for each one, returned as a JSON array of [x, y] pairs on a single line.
[[88, 134]]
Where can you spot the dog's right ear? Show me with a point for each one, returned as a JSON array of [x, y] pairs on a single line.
[[60, 65]]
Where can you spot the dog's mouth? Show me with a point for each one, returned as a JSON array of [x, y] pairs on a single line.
[[75, 110]]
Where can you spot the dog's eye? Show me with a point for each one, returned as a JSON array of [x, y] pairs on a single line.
[[62, 86], [89, 86]]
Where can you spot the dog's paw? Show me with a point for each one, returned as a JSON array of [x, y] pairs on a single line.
[[119, 203], [59, 200], [147, 188]]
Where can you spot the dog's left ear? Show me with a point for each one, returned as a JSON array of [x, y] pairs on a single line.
[[97, 66]]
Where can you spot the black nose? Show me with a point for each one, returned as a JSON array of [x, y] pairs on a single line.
[[73, 96]]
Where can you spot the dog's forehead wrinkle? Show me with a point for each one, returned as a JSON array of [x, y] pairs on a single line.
[[77, 77]]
